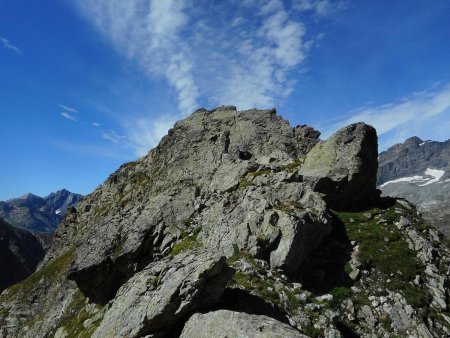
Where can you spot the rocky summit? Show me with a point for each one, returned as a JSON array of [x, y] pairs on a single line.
[[239, 225]]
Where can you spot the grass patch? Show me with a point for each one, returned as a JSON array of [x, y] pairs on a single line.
[[291, 167], [383, 247], [260, 172], [244, 183], [339, 295], [75, 316], [50, 271], [187, 242]]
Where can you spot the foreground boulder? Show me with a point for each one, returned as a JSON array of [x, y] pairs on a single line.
[[223, 323], [344, 167], [165, 292]]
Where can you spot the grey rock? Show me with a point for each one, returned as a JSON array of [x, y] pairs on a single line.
[[367, 315], [163, 293], [344, 167], [224, 323], [332, 333]]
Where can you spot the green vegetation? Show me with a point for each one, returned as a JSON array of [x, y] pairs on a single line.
[[50, 272], [244, 183], [291, 167], [187, 241], [262, 286], [260, 172], [383, 247], [75, 316], [289, 206], [339, 295]]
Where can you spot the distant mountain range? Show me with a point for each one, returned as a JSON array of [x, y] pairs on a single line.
[[420, 172], [38, 214]]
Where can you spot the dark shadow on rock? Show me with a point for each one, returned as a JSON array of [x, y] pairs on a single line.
[[324, 269], [239, 300], [345, 330]]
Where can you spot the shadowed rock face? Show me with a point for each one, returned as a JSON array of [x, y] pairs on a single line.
[[155, 245], [20, 252]]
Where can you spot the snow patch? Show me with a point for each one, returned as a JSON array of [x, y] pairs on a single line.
[[435, 173], [431, 176], [57, 211], [412, 179], [421, 144]]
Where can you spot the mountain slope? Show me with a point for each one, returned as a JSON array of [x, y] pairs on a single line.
[[20, 252], [238, 221], [420, 172], [38, 214]]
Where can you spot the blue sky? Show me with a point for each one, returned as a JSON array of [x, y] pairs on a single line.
[[88, 85]]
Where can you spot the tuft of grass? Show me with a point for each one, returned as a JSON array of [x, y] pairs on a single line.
[[244, 183], [75, 316], [339, 295], [50, 272], [259, 172], [187, 242], [291, 167]]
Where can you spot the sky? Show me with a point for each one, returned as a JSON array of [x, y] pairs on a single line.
[[86, 85]]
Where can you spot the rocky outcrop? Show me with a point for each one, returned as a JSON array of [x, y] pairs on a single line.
[[38, 214], [20, 253], [208, 172], [163, 293], [152, 250], [344, 167], [225, 323]]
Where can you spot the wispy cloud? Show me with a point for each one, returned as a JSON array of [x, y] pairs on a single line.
[[67, 108], [96, 124], [423, 114], [149, 33], [145, 133], [244, 53], [113, 136], [68, 116], [7, 44], [320, 7]]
